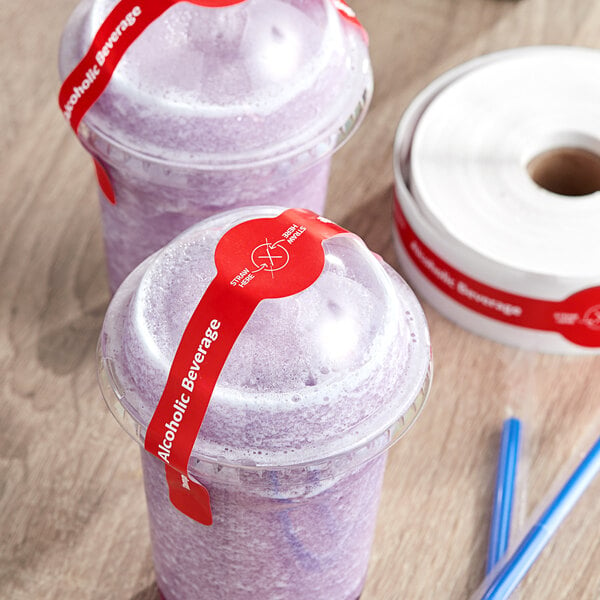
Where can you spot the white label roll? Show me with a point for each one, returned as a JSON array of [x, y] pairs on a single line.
[[503, 256]]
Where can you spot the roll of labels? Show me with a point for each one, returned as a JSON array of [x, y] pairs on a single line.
[[497, 211]]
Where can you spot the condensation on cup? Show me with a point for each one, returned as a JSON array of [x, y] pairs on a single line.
[[216, 108], [292, 449]]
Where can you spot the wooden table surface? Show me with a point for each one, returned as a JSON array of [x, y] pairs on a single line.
[[72, 512]]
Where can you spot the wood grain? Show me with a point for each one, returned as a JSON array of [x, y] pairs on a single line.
[[72, 514]]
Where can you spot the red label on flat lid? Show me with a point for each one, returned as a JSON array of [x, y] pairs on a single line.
[[257, 259]]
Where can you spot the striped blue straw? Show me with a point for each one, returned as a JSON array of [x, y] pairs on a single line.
[[504, 494], [510, 571]]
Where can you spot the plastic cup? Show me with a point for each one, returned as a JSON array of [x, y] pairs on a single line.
[[217, 108], [293, 446]]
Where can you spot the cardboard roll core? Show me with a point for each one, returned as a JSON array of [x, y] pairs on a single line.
[[566, 171]]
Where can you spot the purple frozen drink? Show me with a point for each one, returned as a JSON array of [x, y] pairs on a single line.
[[292, 448], [217, 108]]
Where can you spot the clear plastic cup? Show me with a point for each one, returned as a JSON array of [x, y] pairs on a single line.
[[217, 108], [292, 449]]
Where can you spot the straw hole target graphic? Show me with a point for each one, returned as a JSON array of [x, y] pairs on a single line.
[[270, 256], [592, 318]]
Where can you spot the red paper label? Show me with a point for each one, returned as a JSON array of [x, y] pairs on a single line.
[[85, 84], [576, 318], [124, 24], [348, 14], [104, 181], [257, 259]]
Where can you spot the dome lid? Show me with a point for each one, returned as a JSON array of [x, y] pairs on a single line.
[[340, 367], [239, 85]]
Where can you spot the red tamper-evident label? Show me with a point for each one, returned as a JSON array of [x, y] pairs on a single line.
[[576, 318], [348, 14], [255, 260], [85, 84], [124, 24]]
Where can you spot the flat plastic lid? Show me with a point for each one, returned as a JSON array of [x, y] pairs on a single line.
[[239, 85], [340, 366]]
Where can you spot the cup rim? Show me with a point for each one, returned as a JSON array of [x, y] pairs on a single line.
[[351, 457], [103, 145]]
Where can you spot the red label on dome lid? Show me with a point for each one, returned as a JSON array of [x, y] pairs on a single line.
[[576, 318], [123, 25], [257, 259], [348, 14]]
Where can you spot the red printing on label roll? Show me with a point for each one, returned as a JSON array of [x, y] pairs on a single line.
[[255, 260], [576, 318]]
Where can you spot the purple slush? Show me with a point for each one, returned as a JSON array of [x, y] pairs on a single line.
[[293, 446], [217, 108]]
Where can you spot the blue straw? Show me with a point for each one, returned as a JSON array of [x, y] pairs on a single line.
[[510, 446], [509, 573]]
